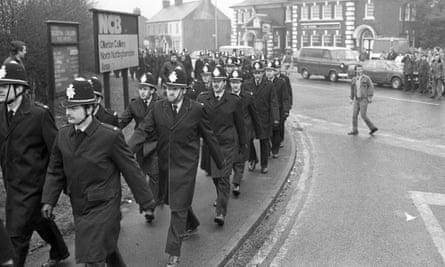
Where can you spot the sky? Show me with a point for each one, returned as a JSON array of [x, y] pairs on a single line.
[[151, 7]]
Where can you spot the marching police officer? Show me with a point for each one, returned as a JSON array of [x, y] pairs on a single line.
[[100, 112], [169, 66], [201, 84], [283, 76], [251, 126], [282, 92], [226, 118], [87, 160], [147, 158], [267, 106], [27, 132]]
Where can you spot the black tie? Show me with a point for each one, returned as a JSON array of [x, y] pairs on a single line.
[[79, 137], [175, 111], [10, 115]]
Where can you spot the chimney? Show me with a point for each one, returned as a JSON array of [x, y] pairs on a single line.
[[178, 2], [165, 3]]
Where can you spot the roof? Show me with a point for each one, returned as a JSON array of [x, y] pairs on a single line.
[[175, 12], [258, 2]]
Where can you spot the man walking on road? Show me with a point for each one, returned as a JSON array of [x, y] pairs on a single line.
[[266, 103], [362, 91], [147, 157], [226, 119], [27, 132], [87, 160], [251, 128], [177, 123]]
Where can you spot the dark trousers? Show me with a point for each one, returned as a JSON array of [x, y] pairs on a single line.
[[409, 82], [423, 83], [205, 159], [238, 172], [49, 232], [222, 185], [6, 250], [152, 170], [264, 149], [180, 221]]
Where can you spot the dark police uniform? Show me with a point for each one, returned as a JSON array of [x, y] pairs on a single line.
[[226, 119], [107, 116], [282, 93]]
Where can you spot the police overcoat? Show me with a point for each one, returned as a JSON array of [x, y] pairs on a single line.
[[227, 121], [178, 146], [282, 93], [90, 175], [107, 116], [25, 147], [266, 103]]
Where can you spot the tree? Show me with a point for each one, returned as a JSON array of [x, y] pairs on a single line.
[[25, 20], [431, 20]]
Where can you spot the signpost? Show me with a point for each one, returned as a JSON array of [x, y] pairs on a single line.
[[116, 45], [63, 54]]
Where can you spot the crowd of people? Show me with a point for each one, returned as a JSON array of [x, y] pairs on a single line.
[[423, 69], [227, 101]]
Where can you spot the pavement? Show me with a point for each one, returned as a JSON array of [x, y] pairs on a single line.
[[143, 244]]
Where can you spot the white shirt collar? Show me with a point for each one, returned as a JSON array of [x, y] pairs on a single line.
[[179, 104], [220, 95]]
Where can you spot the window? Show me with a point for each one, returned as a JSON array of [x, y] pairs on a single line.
[[369, 9], [288, 15], [177, 28], [288, 39], [240, 16], [327, 11], [245, 15], [276, 40], [316, 39], [315, 12], [413, 12], [327, 40], [169, 28], [304, 13], [338, 11], [305, 41], [339, 40]]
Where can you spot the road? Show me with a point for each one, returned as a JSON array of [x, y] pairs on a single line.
[[373, 200]]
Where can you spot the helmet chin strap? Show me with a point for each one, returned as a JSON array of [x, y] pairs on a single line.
[[15, 94], [84, 119]]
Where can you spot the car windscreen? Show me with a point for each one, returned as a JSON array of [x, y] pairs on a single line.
[[344, 55]]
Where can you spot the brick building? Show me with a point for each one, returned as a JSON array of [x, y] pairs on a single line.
[[189, 25], [275, 25]]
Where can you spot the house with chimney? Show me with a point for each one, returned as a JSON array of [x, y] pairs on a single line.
[[276, 25], [192, 25]]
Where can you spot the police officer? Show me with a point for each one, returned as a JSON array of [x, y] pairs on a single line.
[[147, 158], [169, 66], [202, 84], [87, 160], [251, 126], [27, 132], [177, 123], [100, 112], [226, 118], [283, 76], [267, 106], [282, 92]]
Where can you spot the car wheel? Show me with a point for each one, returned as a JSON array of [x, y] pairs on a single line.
[[333, 76], [305, 74], [396, 83]]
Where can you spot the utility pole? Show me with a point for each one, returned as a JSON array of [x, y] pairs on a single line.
[[216, 25]]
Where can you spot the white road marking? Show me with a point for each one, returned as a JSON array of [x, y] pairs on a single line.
[[422, 201], [378, 96], [409, 217]]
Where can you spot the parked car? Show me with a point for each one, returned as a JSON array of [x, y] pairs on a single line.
[[331, 62], [385, 72]]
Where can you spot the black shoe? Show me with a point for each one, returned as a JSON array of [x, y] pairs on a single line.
[[149, 216], [189, 232], [252, 166], [353, 133], [264, 170], [236, 190], [55, 262], [219, 219], [275, 156], [373, 131]]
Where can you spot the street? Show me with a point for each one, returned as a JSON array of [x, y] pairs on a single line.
[[373, 200]]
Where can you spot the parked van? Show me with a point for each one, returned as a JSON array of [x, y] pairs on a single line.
[[331, 62]]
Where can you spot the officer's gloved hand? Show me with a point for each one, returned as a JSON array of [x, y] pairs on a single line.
[[47, 211]]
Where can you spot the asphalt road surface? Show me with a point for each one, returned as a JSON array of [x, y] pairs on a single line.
[[373, 200]]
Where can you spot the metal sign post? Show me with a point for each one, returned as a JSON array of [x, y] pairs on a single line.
[[63, 55], [116, 46]]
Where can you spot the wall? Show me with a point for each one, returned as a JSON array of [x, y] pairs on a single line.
[[198, 34]]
